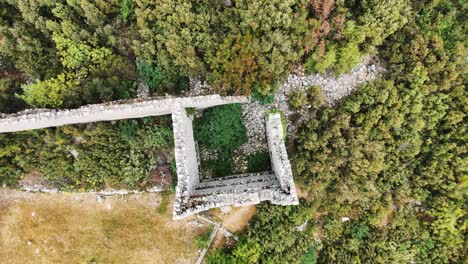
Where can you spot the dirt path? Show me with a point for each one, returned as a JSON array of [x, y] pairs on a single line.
[[235, 222], [79, 228]]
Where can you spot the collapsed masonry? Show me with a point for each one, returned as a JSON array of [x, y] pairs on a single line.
[[192, 195]]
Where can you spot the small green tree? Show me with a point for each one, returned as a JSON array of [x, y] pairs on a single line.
[[221, 128]]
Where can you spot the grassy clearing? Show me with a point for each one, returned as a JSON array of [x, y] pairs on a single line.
[[62, 228]]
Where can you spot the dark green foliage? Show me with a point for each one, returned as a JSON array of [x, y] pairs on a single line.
[[259, 161], [159, 80], [119, 155], [273, 237], [151, 74], [221, 128], [9, 102], [310, 257], [71, 53], [263, 99], [221, 166]]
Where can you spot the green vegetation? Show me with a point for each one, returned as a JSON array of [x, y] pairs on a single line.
[[67, 54], [391, 157], [202, 240], [259, 161], [220, 166], [273, 237], [221, 128], [95, 156]]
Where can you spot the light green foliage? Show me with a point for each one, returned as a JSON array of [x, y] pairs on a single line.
[[49, 93], [339, 34], [77, 56], [126, 10], [316, 64], [297, 99], [202, 240], [221, 128]]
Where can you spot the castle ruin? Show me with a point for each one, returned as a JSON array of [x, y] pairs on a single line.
[[192, 194]]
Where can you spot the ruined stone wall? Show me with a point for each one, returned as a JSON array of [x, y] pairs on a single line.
[[278, 155], [42, 118], [185, 158], [191, 196]]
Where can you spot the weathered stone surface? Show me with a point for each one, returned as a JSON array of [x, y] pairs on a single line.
[[34, 119]]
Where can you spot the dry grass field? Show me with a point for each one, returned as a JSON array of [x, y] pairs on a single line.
[[77, 228]]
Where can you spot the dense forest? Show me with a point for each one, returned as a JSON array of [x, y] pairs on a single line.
[[383, 171]]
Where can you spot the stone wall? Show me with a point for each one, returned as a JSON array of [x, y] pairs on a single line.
[[185, 158], [278, 155], [42, 118]]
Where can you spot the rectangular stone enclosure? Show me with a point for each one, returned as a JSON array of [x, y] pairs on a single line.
[[192, 195]]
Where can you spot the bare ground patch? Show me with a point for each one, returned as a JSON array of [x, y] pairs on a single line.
[[78, 228]]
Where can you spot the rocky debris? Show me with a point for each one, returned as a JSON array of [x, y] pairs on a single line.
[[143, 90], [333, 87], [198, 87], [254, 122]]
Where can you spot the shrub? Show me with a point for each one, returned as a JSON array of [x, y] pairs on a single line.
[[259, 161], [152, 74], [126, 10], [263, 99], [316, 98], [222, 166], [297, 99], [221, 128], [202, 240]]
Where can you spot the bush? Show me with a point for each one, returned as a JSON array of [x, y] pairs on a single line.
[[263, 99], [297, 99], [259, 161], [221, 128], [126, 10], [160, 79], [220, 167], [202, 240]]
